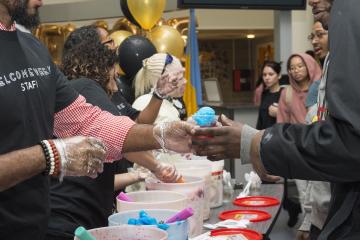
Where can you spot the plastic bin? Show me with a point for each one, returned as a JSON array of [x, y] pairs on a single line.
[[199, 169], [153, 200], [176, 231], [193, 188], [128, 232]]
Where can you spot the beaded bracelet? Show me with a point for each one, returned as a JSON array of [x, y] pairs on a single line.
[[51, 157], [56, 158], [47, 158]]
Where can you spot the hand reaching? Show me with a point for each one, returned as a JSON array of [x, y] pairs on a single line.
[[218, 142], [80, 156], [166, 173], [169, 82], [174, 136]]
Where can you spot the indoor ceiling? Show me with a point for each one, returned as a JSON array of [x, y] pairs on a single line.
[[233, 34]]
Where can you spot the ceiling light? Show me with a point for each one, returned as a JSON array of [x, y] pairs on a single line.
[[250, 36]]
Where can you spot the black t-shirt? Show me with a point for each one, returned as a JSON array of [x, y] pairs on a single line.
[[122, 103], [82, 201], [264, 119], [125, 87], [32, 90]]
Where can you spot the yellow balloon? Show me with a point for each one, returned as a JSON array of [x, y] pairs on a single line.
[[167, 40], [146, 12], [119, 36]]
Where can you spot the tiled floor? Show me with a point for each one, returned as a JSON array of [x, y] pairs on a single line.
[[281, 231]]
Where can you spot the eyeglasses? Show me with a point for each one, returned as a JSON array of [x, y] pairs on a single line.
[[318, 35], [168, 60], [298, 67]]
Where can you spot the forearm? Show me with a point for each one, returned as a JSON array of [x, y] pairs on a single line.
[[20, 165], [125, 179], [83, 119], [145, 159], [322, 151], [140, 138], [149, 114]]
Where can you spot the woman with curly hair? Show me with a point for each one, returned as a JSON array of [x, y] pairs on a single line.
[[80, 201]]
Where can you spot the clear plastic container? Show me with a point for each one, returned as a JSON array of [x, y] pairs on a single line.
[[128, 232], [153, 200], [193, 188], [176, 231]]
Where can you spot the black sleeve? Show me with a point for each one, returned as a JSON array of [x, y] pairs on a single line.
[[124, 108], [259, 123], [327, 150], [94, 94], [65, 95]]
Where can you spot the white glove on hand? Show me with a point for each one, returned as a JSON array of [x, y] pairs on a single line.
[[166, 173], [174, 136], [80, 156], [168, 82]]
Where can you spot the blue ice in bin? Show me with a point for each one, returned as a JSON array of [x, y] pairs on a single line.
[[177, 231]]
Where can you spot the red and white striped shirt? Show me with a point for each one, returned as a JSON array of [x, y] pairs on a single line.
[[12, 28], [81, 118]]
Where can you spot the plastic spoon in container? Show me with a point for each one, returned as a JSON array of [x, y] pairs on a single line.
[[124, 197], [180, 216], [82, 234]]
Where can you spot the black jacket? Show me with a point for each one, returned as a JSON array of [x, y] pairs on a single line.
[[329, 150]]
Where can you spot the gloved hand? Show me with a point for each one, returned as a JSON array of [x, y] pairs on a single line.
[[168, 82], [80, 156], [166, 173], [174, 136], [140, 173]]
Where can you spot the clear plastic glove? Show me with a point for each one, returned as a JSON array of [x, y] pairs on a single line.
[[166, 173], [80, 156], [140, 173], [174, 136], [169, 82]]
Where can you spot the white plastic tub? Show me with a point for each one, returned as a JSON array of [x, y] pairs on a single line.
[[193, 188], [176, 231], [153, 200], [128, 232]]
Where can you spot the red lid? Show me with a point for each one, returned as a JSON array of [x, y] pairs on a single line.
[[251, 215], [256, 201], [249, 234]]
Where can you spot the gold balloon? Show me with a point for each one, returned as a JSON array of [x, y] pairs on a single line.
[[146, 12], [124, 24], [167, 40], [119, 36], [101, 24]]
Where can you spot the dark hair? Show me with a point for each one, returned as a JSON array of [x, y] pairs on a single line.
[[311, 53], [276, 66], [85, 56]]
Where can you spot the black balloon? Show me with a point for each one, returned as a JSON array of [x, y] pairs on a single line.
[[132, 51], [127, 13]]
